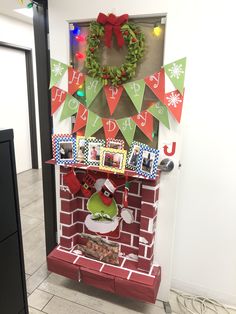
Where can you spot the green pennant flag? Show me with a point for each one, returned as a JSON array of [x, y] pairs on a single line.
[[127, 127], [160, 112], [58, 69], [92, 87], [70, 107], [94, 123], [176, 73], [135, 90]]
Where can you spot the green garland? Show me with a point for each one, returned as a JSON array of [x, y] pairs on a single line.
[[108, 74]]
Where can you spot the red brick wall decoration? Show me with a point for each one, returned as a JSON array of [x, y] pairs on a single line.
[[136, 239]]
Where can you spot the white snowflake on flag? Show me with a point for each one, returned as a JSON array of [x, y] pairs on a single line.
[[174, 99], [57, 69], [176, 71]]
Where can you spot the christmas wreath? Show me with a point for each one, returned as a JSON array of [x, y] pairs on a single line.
[[125, 32]]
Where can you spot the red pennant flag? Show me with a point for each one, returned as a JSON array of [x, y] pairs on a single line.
[[144, 121], [174, 102], [75, 80], [58, 96], [156, 82], [81, 118], [110, 128], [113, 94]]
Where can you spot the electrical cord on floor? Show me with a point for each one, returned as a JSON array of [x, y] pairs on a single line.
[[198, 304]]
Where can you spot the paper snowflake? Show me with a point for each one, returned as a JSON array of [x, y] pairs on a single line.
[[176, 71], [173, 99], [57, 69]]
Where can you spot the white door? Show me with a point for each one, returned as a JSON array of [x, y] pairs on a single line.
[[14, 104]]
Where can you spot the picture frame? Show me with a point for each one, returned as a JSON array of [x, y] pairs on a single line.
[[80, 149], [115, 143], [93, 151], [133, 154], [64, 149], [113, 160], [148, 161]]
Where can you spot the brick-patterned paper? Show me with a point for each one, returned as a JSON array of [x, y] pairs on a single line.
[[135, 238]]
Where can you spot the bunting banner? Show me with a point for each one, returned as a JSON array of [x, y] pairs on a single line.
[[113, 94], [58, 96], [75, 80], [156, 82], [70, 107], [176, 73], [92, 88], [94, 123], [144, 121], [110, 128], [160, 112], [58, 69], [174, 103], [127, 127], [135, 90], [81, 118]]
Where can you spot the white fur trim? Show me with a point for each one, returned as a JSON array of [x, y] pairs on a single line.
[[101, 226]]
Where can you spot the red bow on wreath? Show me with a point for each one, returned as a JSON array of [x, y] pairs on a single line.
[[113, 23]]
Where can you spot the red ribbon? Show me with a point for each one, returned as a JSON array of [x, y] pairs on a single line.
[[113, 23]]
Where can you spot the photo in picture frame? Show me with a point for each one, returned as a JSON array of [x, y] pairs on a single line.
[[93, 148], [80, 148], [64, 149], [113, 159], [133, 154], [147, 161], [115, 143]]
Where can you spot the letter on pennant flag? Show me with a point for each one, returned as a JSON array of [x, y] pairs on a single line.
[[81, 118], [174, 103], [58, 69], [135, 90], [156, 82], [58, 96], [94, 123], [144, 121], [70, 107], [113, 94], [92, 87], [127, 127], [160, 112], [110, 128], [176, 73], [75, 80]]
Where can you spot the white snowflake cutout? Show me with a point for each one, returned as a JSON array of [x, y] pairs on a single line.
[[57, 69], [174, 99], [176, 71]]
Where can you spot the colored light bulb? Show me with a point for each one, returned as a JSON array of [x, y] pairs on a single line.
[[80, 93], [76, 31], [157, 31], [80, 38], [80, 55]]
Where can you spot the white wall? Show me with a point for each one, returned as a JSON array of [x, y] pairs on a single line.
[[204, 255], [19, 33]]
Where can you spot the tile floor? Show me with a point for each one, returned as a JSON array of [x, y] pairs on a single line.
[[54, 294]]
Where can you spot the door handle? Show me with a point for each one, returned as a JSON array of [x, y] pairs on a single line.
[[166, 165]]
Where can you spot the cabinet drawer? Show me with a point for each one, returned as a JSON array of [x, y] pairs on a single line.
[[8, 224], [11, 296]]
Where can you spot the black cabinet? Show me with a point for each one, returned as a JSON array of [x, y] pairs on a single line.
[[13, 296]]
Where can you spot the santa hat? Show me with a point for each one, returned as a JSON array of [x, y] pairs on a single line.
[[107, 192]]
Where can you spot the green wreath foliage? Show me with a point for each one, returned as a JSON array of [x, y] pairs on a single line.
[[108, 74]]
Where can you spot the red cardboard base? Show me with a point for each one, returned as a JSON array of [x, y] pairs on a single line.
[[125, 280]]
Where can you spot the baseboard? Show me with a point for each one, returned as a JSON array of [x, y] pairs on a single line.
[[194, 289]]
